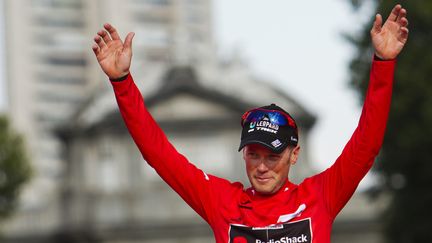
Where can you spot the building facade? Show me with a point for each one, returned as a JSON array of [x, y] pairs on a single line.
[[52, 73]]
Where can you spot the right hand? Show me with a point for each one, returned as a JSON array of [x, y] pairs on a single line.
[[113, 55]]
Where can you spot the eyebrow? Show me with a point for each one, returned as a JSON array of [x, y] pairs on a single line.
[[275, 155]]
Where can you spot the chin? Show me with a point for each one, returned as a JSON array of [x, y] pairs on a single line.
[[266, 190]]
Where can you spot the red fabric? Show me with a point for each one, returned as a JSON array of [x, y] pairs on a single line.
[[224, 204]]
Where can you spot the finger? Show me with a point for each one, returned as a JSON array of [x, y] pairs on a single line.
[[128, 41], [376, 28], [95, 49], [403, 36], [394, 13], [404, 22], [99, 41], [105, 36], [402, 14], [112, 31]]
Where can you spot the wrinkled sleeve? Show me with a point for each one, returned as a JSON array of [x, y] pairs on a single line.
[[342, 178], [198, 189]]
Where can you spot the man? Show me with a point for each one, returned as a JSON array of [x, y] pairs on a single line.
[[273, 209]]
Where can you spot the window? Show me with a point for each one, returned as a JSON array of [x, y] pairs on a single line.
[[62, 22], [62, 80], [49, 120], [58, 3], [61, 97], [62, 41], [152, 19], [66, 61], [154, 2]]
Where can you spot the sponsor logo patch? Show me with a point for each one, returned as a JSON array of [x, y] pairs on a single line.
[[265, 124], [293, 232], [276, 143]]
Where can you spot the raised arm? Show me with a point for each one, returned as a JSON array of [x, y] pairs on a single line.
[[343, 177], [198, 189]]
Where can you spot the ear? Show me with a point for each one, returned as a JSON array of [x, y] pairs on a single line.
[[294, 154], [243, 151]]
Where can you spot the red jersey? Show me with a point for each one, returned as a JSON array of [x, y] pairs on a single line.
[[296, 213]]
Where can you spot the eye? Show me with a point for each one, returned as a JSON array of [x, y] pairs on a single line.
[[252, 155], [273, 158]]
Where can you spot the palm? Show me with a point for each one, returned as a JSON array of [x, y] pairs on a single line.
[[387, 43], [113, 59], [390, 39]]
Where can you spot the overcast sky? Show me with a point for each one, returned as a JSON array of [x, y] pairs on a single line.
[[298, 46]]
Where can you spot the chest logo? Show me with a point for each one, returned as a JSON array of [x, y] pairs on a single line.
[[287, 217], [293, 232]]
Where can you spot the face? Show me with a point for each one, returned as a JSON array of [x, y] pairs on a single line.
[[267, 171]]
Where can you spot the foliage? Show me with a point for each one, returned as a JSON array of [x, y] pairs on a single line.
[[14, 168], [406, 157]]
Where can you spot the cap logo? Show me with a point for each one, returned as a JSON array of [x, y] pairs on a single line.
[[266, 126], [276, 143], [294, 139]]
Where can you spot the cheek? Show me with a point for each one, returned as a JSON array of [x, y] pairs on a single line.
[[282, 169], [249, 166]]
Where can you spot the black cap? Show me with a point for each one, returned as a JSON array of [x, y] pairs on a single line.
[[268, 134]]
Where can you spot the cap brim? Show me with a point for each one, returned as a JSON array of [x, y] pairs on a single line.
[[264, 142]]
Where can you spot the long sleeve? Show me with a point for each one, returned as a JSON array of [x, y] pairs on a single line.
[[192, 184], [342, 178]]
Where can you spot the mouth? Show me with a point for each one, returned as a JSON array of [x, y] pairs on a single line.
[[262, 180]]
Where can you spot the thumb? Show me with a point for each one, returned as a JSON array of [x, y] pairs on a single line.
[[376, 28], [128, 41]]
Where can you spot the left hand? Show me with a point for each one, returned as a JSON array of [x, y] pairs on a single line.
[[113, 55], [389, 39]]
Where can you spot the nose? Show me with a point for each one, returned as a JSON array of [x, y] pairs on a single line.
[[262, 167]]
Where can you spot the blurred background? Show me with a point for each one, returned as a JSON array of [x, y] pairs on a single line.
[[69, 171]]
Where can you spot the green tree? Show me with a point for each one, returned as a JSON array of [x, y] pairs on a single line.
[[14, 168], [406, 157]]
